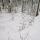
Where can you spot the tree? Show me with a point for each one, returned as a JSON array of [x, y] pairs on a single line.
[[23, 5], [37, 8], [3, 4], [32, 2]]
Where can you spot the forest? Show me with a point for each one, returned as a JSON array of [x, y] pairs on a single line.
[[32, 6]]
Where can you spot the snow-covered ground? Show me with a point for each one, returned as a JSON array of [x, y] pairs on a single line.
[[35, 30], [10, 24], [8, 27]]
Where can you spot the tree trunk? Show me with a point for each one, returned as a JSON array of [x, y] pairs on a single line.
[[32, 2], [37, 9], [22, 6]]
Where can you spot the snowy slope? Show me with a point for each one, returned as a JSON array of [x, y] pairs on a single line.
[[7, 26], [35, 31], [10, 23]]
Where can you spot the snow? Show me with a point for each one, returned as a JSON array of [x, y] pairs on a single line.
[[10, 23], [35, 30]]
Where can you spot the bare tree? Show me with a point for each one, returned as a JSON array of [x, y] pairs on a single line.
[[37, 8], [32, 2], [23, 5]]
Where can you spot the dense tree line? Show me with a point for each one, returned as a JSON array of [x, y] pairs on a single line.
[[22, 3]]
